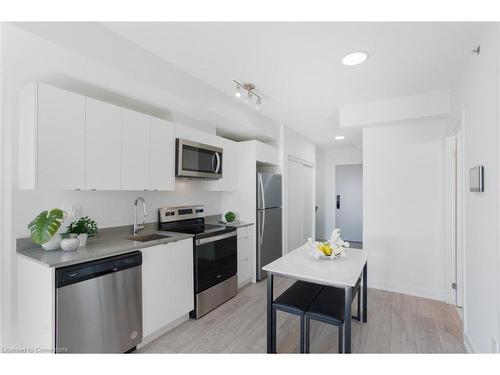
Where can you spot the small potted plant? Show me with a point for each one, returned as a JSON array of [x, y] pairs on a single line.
[[84, 227], [230, 216], [44, 228]]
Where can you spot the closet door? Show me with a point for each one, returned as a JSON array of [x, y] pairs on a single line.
[[294, 205], [308, 206]]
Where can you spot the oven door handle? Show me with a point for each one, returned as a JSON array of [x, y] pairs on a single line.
[[203, 241]]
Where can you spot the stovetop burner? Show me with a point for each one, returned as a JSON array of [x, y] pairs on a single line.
[[189, 220]]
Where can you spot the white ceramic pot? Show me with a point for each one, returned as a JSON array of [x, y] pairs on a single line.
[[83, 239], [53, 243], [70, 244]]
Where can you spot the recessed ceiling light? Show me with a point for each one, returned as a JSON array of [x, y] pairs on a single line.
[[339, 137], [354, 58]]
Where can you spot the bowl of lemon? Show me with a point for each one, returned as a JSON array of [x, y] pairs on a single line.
[[323, 250]]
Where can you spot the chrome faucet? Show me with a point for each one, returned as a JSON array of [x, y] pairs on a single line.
[[137, 227]]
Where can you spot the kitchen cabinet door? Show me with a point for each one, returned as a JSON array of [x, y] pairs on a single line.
[[156, 288], [135, 168], [229, 180], [61, 139], [162, 155], [103, 130], [181, 278], [246, 251]]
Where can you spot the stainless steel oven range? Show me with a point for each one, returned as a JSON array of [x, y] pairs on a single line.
[[214, 254]]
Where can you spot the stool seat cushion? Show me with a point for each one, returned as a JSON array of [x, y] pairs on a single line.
[[298, 297], [328, 306]]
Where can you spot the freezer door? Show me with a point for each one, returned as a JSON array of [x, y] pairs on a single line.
[[268, 190], [269, 241]]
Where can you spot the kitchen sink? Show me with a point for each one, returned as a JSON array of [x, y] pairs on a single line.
[[148, 237]]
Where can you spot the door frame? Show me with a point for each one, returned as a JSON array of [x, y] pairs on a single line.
[[454, 219]]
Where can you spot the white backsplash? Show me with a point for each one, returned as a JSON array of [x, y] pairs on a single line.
[[109, 208]]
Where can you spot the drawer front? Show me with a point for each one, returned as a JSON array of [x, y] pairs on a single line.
[[245, 232]]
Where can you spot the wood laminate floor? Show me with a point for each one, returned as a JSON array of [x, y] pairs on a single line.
[[397, 323]]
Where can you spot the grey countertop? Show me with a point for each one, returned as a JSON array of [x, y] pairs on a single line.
[[216, 219], [112, 241], [96, 249]]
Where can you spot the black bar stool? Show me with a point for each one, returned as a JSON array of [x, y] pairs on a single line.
[[328, 307], [295, 300]]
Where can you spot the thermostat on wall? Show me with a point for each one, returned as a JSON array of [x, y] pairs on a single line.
[[477, 179]]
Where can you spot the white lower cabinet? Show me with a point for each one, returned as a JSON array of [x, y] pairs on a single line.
[[246, 255], [167, 284]]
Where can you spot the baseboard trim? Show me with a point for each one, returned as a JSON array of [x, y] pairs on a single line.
[[153, 336], [406, 289], [469, 346]]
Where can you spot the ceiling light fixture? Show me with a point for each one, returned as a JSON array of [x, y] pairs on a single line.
[[251, 94], [238, 91], [354, 58], [258, 103], [339, 137]]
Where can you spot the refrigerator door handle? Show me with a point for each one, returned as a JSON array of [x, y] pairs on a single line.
[[261, 184], [262, 225]]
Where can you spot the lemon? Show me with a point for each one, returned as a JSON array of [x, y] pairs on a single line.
[[326, 249]]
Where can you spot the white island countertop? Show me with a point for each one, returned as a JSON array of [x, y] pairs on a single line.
[[339, 272]]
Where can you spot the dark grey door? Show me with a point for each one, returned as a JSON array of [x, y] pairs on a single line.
[[269, 241]]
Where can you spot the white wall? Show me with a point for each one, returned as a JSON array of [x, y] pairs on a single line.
[[406, 108], [326, 159], [403, 206], [476, 96]]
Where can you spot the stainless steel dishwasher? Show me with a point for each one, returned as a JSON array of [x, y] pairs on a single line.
[[99, 305]]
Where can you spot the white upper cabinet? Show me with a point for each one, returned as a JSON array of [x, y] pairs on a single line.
[[103, 145], [51, 139], [267, 154], [71, 142], [229, 180], [162, 155], [135, 153], [195, 135]]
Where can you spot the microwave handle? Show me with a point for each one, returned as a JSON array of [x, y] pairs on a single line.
[[218, 162], [213, 158]]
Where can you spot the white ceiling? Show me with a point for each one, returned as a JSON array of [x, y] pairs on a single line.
[[297, 66]]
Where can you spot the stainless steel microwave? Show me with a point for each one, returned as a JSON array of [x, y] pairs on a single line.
[[197, 160]]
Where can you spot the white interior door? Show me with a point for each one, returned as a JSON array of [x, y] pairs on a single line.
[[294, 205], [348, 201], [307, 203]]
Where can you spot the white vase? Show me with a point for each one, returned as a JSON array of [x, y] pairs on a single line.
[[83, 239], [53, 243], [70, 244]]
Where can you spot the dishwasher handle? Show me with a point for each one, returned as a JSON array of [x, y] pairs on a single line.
[[89, 270]]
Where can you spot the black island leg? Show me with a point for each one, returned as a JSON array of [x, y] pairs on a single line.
[[365, 293], [271, 331], [347, 319]]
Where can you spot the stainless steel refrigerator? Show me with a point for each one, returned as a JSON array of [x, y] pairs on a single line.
[[269, 220]]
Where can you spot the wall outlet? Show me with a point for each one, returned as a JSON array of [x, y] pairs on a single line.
[[72, 211], [494, 345]]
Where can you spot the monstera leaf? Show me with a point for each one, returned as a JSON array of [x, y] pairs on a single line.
[[45, 225]]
